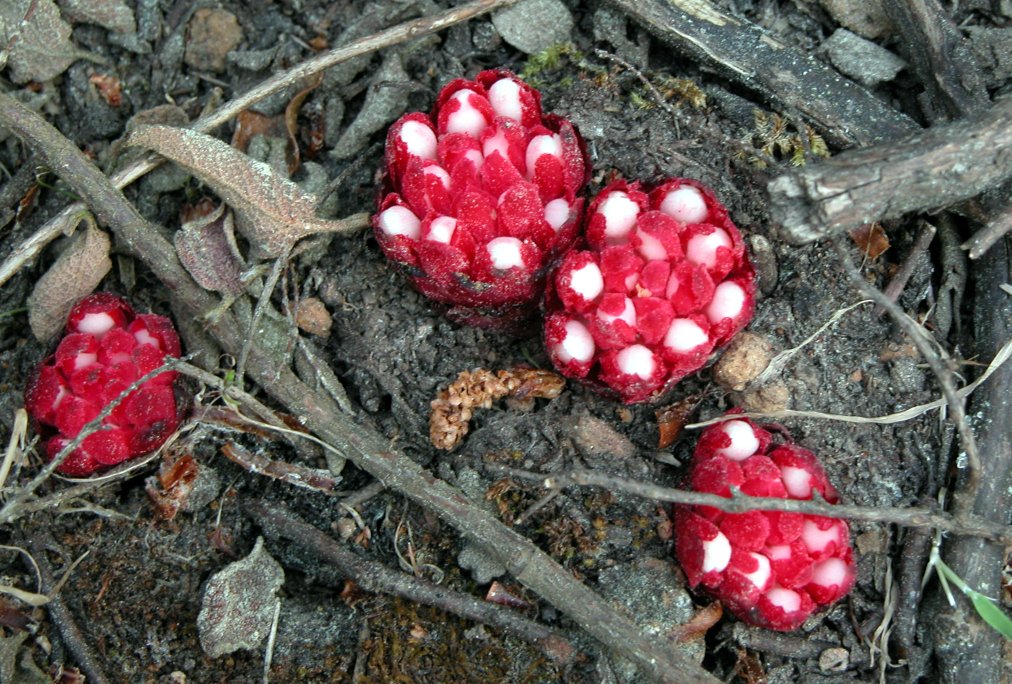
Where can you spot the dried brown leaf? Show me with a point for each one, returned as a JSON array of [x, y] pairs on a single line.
[[37, 40], [291, 123], [699, 624], [870, 239], [672, 418], [272, 212], [75, 274], [749, 668], [206, 248]]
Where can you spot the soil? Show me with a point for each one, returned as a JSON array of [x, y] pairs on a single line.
[[136, 594]]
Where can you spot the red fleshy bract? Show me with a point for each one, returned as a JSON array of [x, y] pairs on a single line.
[[481, 197], [664, 279], [771, 569], [107, 348]]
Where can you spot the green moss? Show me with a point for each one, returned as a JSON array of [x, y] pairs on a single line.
[[778, 139], [539, 67]]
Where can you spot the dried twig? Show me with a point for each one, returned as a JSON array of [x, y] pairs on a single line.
[[899, 281], [908, 517], [963, 500], [935, 168], [940, 57], [292, 473], [997, 363], [60, 614], [376, 577], [749, 55], [998, 227]]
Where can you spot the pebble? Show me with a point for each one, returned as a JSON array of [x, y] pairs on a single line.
[[746, 357], [533, 26], [769, 398], [595, 438], [862, 60], [211, 35], [312, 317]]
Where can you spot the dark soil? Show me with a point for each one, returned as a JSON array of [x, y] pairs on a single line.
[[136, 595]]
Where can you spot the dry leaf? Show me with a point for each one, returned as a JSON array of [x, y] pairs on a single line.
[[108, 87], [206, 248], [239, 601], [250, 123], [749, 668], [75, 274], [870, 239], [699, 624], [272, 212], [671, 419], [38, 40]]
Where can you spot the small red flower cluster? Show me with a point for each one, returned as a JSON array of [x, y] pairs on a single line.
[[106, 349], [771, 569], [481, 197], [665, 280]]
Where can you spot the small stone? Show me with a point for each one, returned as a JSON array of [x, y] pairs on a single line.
[[533, 26], [596, 438], [906, 376], [113, 15], [860, 59], [484, 566], [764, 258], [867, 18], [211, 35], [746, 357], [769, 398], [993, 49], [834, 660], [345, 528], [485, 38], [312, 317]]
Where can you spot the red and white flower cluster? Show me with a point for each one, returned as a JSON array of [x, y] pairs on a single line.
[[481, 197], [771, 569], [107, 348], [664, 281]]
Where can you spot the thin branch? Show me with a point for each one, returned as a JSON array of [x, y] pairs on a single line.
[[1000, 358], [375, 577], [292, 473], [997, 228], [401, 33], [934, 168], [908, 517], [962, 500], [61, 616], [899, 281]]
